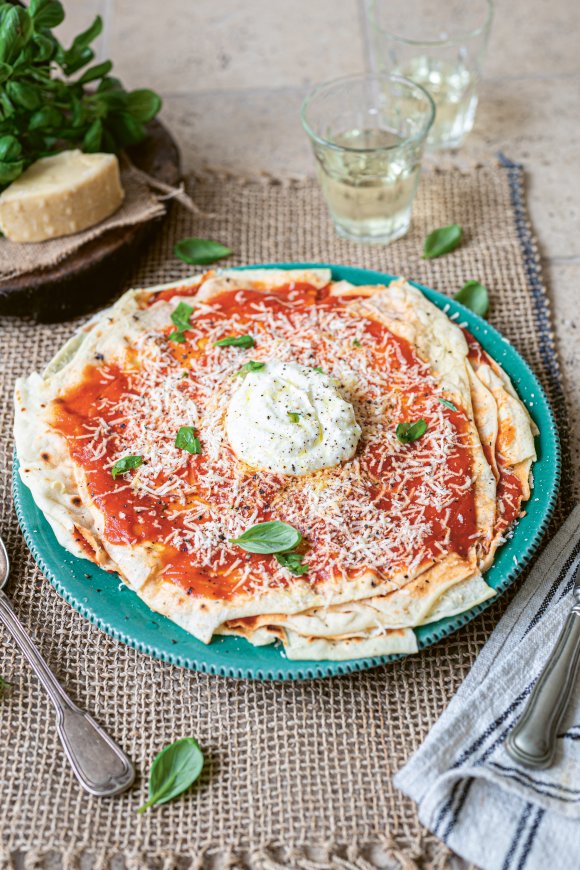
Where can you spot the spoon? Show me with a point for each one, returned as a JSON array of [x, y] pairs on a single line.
[[99, 765]]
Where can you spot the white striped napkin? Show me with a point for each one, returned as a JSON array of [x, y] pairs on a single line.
[[471, 794]]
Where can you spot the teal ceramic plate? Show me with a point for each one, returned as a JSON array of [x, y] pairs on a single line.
[[108, 604]]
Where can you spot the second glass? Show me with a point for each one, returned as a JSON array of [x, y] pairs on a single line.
[[441, 47], [368, 133]]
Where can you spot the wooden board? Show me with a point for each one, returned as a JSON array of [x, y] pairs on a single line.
[[94, 275]]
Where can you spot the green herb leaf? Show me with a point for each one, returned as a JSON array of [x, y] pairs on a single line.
[[24, 95], [409, 432], [10, 148], [143, 104], [4, 684], [294, 416], [15, 31], [442, 241], [271, 537], [356, 343], [292, 562], [126, 464], [448, 404], [96, 72], [180, 317], [10, 171], [200, 252], [186, 439], [47, 117], [318, 369], [235, 341], [46, 13], [251, 366], [173, 771], [474, 296], [93, 137]]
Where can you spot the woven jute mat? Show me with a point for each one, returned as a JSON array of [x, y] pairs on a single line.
[[297, 774]]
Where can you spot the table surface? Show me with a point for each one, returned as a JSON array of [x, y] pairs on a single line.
[[233, 75]]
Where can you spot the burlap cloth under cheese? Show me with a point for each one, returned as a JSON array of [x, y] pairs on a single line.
[[294, 766], [139, 206]]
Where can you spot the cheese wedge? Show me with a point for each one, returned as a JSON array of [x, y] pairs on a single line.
[[61, 195]]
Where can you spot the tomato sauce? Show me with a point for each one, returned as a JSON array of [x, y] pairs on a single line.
[[134, 516]]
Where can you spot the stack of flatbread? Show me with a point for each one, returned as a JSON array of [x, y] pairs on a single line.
[[396, 536]]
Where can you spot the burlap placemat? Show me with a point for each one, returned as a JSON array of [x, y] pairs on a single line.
[[294, 766]]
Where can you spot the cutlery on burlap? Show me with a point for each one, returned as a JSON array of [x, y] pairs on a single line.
[[100, 766]]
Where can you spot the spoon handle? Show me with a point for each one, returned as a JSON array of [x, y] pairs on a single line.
[[100, 766]]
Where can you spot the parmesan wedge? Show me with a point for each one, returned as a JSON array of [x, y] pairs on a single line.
[[61, 195]]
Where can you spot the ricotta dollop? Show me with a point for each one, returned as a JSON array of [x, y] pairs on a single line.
[[290, 419]]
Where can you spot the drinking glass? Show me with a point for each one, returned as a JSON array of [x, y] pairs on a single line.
[[441, 47], [368, 134]]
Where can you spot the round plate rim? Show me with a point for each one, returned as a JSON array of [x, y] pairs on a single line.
[[297, 670]]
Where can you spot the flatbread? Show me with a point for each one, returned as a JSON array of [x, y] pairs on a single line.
[[369, 582]]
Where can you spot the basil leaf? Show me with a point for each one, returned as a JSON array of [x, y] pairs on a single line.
[[23, 95], [173, 771], [292, 562], [294, 416], [318, 369], [143, 104], [48, 116], [126, 464], [448, 404], [235, 341], [409, 432], [87, 36], [356, 343], [474, 296], [180, 317], [200, 252], [127, 129], [251, 366], [95, 72], [10, 171], [93, 137], [4, 684], [271, 537], [186, 440], [15, 31], [10, 148], [46, 13], [442, 241]]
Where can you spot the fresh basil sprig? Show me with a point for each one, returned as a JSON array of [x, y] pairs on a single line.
[[173, 771], [200, 252], [474, 296], [409, 432], [235, 341], [442, 241], [251, 366], [125, 464], [448, 404], [270, 537], [293, 562], [180, 318], [44, 104], [186, 440]]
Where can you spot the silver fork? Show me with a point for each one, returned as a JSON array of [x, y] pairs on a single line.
[[532, 741], [99, 765]]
